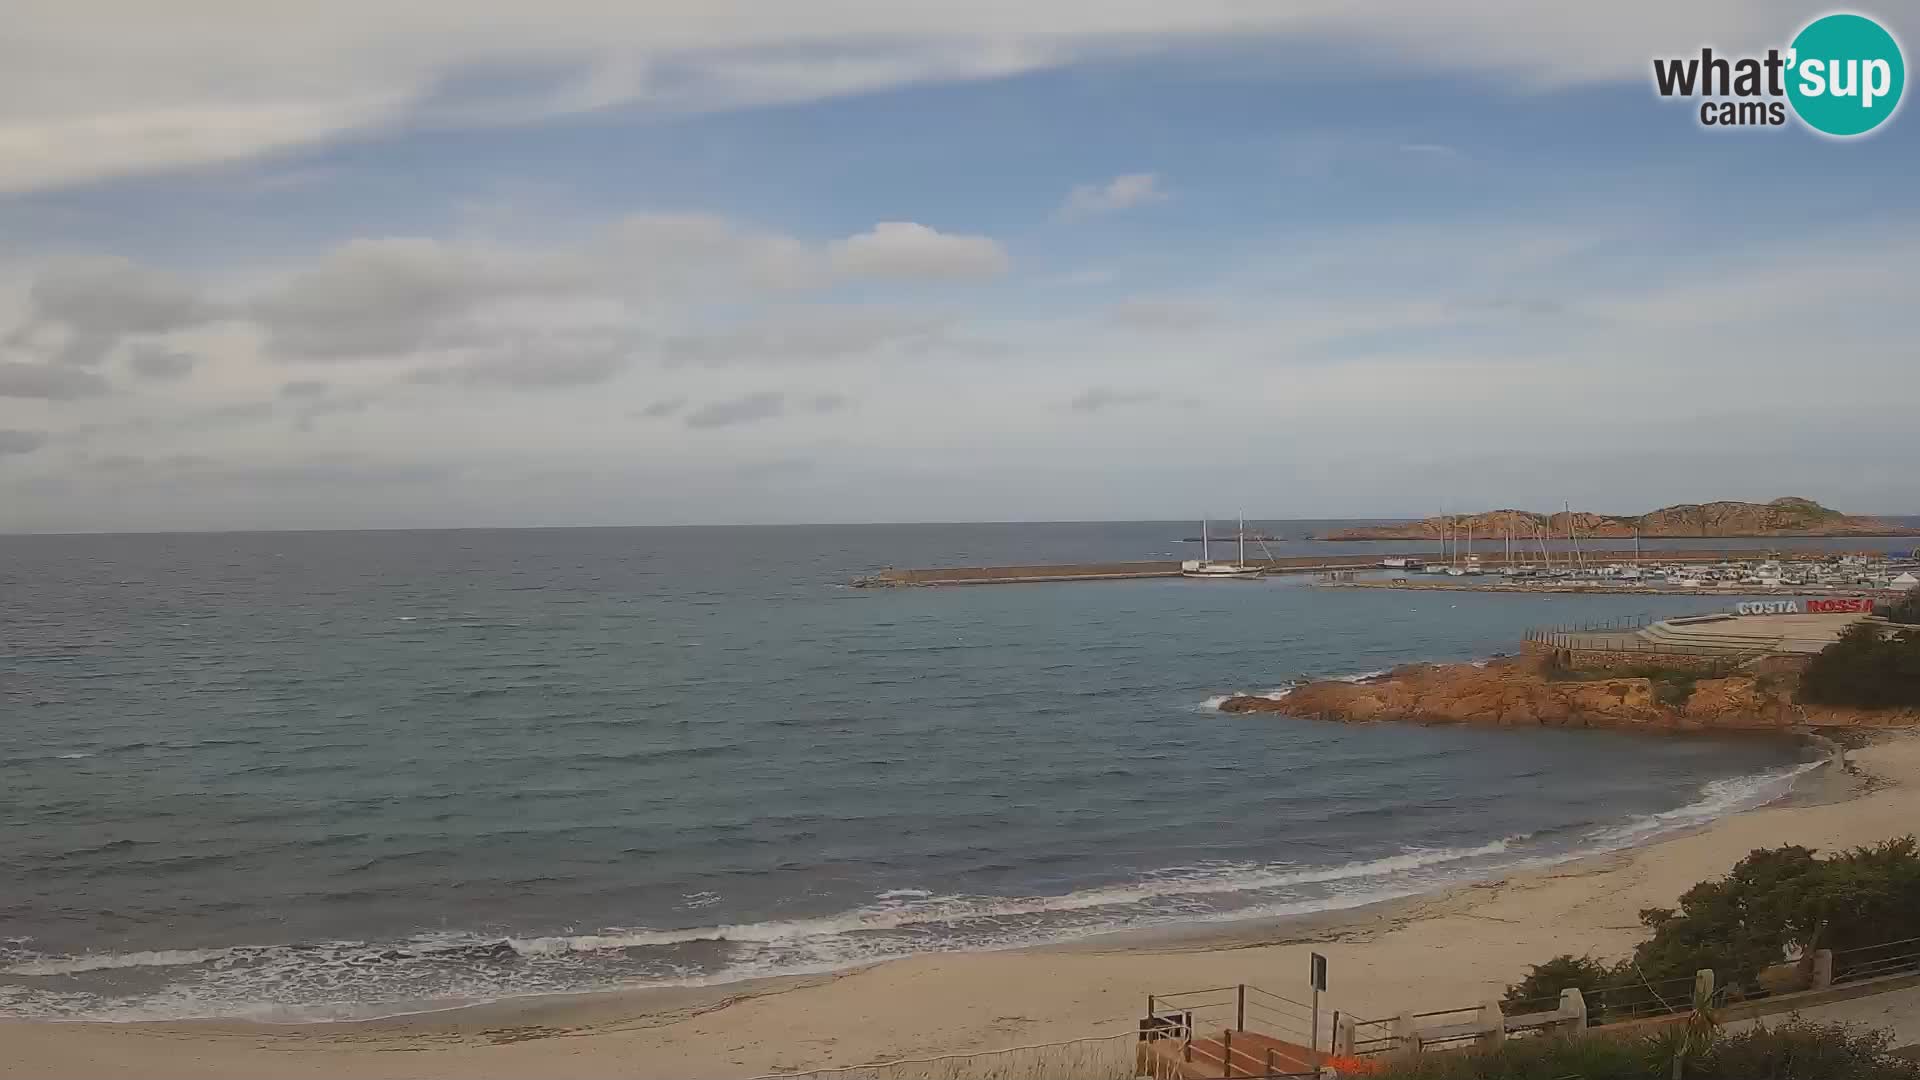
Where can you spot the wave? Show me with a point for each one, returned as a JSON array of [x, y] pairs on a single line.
[[354, 980], [1213, 703], [1718, 799]]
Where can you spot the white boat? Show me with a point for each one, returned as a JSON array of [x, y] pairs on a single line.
[[1205, 567]]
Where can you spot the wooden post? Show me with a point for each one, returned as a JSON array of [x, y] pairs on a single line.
[[1240, 1009], [1226, 1053]]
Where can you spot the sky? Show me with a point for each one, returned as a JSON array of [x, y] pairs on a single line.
[[489, 263]]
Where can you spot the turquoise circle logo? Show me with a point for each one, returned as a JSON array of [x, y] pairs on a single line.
[[1845, 74]]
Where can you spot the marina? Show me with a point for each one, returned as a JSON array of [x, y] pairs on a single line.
[[1679, 571]]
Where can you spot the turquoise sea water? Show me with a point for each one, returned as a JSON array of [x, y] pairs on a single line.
[[341, 774]]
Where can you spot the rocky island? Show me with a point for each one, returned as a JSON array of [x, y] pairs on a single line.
[[1781, 517], [1527, 691]]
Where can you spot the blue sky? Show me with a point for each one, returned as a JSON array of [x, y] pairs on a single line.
[[836, 269]]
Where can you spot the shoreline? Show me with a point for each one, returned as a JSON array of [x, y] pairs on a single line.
[[1443, 949]]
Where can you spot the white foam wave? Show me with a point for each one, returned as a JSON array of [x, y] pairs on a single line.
[[76, 756], [1213, 703], [354, 980], [74, 965], [948, 911], [1718, 798]]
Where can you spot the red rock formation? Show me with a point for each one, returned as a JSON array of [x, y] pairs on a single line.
[[1515, 693]]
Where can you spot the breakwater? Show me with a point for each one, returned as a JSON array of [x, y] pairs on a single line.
[[1297, 564]]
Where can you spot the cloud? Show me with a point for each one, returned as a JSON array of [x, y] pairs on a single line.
[[115, 88], [384, 297], [49, 381], [681, 252], [98, 302], [304, 388], [21, 442], [157, 362], [660, 410], [1120, 193], [533, 365], [829, 403], [906, 250], [1100, 398], [745, 409], [818, 334]]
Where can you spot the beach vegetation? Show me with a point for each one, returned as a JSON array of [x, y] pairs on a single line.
[[1795, 1049], [1774, 904], [1906, 609], [1866, 669]]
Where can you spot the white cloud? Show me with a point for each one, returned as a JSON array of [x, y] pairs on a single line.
[[398, 295], [906, 250], [93, 89], [1449, 343], [1133, 189]]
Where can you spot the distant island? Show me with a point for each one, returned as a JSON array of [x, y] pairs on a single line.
[[1781, 517]]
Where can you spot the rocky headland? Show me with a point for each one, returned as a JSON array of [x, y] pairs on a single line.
[[1781, 517], [1528, 692]]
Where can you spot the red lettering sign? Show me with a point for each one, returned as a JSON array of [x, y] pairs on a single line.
[[1855, 604]]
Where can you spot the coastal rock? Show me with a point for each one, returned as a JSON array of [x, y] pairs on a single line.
[[1507, 692], [1782, 517]]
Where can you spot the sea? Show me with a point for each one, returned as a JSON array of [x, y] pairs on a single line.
[[335, 775]]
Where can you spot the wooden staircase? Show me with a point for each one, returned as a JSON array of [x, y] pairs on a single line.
[[1230, 1053]]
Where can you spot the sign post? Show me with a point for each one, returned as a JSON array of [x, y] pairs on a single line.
[[1317, 975]]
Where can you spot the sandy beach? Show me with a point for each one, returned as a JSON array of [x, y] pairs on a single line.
[[1439, 951]]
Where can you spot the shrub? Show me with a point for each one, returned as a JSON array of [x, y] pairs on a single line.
[[1906, 609], [1795, 1050], [1773, 902], [1801, 1050], [1540, 990], [1865, 669]]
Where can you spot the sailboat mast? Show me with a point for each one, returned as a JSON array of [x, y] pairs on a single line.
[[1206, 553], [1243, 538]]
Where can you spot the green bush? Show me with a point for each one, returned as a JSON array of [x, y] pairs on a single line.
[[1906, 609], [1794, 1050], [1540, 990], [1774, 901], [1801, 1050], [1866, 669]]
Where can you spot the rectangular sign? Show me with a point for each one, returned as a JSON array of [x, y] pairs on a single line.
[[1318, 976], [1821, 605]]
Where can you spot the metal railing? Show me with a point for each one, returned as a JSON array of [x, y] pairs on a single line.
[[1872, 961], [1204, 1023]]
